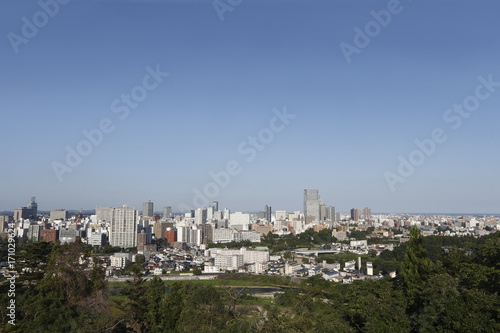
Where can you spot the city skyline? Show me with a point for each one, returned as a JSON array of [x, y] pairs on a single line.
[[165, 209], [253, 107]]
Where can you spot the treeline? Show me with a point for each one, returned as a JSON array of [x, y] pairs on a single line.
[[457, 291]]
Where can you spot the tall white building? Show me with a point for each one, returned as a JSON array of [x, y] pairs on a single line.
[[240, 221], [210, 213], [200, 216], [312, 211], [123, 230]]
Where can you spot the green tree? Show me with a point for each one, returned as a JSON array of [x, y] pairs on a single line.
[[155, 305], [204, 311], [415, 268], [140, 259]]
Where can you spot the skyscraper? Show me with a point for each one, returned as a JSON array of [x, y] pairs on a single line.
[[367, 213], [167, 212], [200, 216], [330, 213], [123, 231], [355, 214], [267, 213], [148, 209], [312, 210], [34, 208], [215, 205]]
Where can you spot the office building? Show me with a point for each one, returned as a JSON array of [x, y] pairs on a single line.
[[281, 215], [104, 214], [49, 235], [171, 235], [217, 215], [148, 209], [96, 238], [250, 235], [33, 207], [200, 216], [267, 213], [58, 214], [160, 227], [367, 213], [222, 235], [34, 232], [4, 222], [355, 214], [330, 213], [240, 221], [215, 205], [207, 232], [123, 230], [312, 208], [167, 212], [142, 240], [22, 213], [68, 236], [210, 213]]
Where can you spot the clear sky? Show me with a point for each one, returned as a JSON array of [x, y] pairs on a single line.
[[353, 120]]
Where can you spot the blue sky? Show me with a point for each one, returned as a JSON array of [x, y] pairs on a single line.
[[352, 120]]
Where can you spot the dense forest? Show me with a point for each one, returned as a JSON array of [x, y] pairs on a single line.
[[444, 284]]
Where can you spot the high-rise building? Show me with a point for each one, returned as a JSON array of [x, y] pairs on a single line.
[[367, 213], [312, 210], [267, 213], [171, 235], [68, 235], [104, 214], [330, 213], [4, 220], [207, 232], [33, 206], [58, 214], [148, 209], [49, 235], [227, 213], [22, 213], [200, 216], [167, 212], [210, 213], [142, 240], [123, 231], [355, 214], [217, 216], [160, 228], [240, 221], [280, 215], [215, 205], [34, 232]]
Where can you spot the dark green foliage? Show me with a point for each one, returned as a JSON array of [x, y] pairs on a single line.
[[416, 267], [437, 291]]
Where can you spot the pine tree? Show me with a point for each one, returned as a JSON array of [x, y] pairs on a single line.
[[415, 268]]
